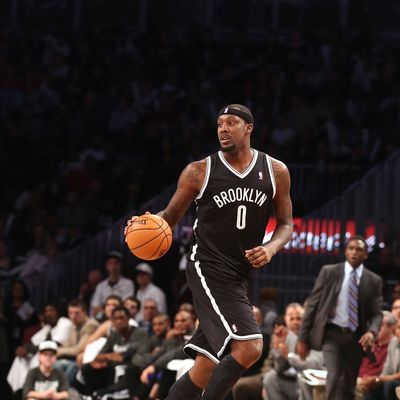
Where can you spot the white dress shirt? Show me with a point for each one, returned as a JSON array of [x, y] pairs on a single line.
[[123, 288], [341, 317]]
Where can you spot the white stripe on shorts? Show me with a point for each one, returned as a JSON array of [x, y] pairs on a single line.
[[202, 351], [214, 304]]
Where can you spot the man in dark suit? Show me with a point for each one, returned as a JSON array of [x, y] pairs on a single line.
[[343, 316]]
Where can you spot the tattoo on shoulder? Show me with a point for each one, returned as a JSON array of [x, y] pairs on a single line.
[[195, 172], [279, 169]]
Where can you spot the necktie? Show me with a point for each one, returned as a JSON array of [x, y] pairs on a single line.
[[353, 302]]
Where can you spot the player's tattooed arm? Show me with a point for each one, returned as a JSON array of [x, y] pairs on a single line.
[[189, 186], [195, 172]]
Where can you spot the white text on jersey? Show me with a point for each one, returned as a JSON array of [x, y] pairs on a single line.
[[240, 194]]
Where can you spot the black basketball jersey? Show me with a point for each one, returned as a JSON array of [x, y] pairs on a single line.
[[233, 209]]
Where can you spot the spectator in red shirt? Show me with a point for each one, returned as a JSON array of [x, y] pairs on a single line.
[[372, 363]]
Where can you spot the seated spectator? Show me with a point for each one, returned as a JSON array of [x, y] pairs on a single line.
[[93, 345], [82, 327], [396, 309], [372, 363], [115, 284], [45, 381], [88, 287], [148, 350], [19, 314], [4, 356], [281, 382], [383, 386], [156, 373], [147, 289], [251, 387], [150, 310], [120, 347], [188, 307], [55, 328], [395, 292], [133, 306]]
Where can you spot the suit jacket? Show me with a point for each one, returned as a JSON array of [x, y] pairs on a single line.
[[321, 304]]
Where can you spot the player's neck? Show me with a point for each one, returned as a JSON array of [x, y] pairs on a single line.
[[239, 160]]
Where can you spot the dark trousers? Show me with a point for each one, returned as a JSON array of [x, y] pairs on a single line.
[[342, 355], [97, 378], [135, 386]]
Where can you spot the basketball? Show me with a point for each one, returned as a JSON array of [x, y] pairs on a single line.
[[149, 237]]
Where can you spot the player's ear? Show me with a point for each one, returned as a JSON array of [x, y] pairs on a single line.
[[249, 128]]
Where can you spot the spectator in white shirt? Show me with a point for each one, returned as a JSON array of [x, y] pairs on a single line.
[[114, 284], [148, 290]]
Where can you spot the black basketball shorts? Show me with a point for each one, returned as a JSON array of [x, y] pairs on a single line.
[[223, 309]]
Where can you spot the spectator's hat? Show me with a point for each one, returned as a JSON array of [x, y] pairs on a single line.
[[48, 345], [114, 254], [145, 268]]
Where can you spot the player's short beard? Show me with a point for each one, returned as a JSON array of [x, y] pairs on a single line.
[[228, 149]]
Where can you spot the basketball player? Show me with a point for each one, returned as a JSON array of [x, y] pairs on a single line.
[[235, 190]]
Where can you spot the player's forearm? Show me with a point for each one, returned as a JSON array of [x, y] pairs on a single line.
[[281, 235]]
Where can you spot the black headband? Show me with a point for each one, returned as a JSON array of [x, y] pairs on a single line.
[[238, 110]]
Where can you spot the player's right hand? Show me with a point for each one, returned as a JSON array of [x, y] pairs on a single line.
[[130, 222]]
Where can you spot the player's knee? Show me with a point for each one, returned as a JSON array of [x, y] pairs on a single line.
[[247, 352], [256, 349]]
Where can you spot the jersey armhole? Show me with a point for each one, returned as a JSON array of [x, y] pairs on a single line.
[[207, 176], [271, 174]]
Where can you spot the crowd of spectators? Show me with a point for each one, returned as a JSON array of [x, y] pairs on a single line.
[[91, 119], [120, 354]]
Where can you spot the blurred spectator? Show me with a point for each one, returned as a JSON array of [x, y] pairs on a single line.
[[147, 289], [156, 372], [88, 287], [149, 349], [383, 385], [115, 284], [396, 309], [4, 357], [282, 380], [372, 363], [133, 306], [44, 381], [150, 310], [19, 314], [122, 344], [396, 291], [189, 308], [55, 328], [285, 333], [93, 343], [82, 327]]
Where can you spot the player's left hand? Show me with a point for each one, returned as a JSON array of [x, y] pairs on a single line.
[[259, 256]]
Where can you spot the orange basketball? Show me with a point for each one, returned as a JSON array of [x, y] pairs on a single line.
[[149, 237]]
